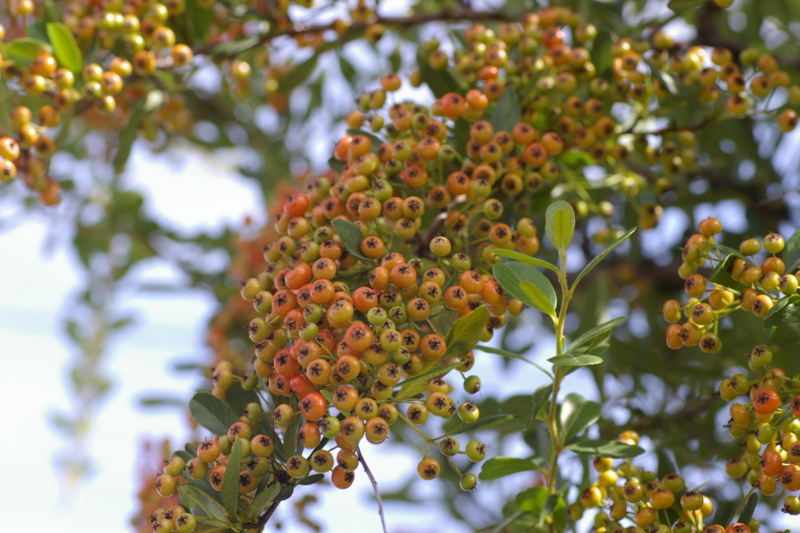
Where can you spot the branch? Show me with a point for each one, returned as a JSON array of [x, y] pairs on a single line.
[[375, 488], [422, 247], [403, 22], [262, 522]]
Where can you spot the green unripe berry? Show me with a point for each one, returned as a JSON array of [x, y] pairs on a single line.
[[476, 451], [472, 384], [468, 482]]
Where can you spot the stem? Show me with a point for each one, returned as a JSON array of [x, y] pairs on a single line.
[[375, 488], [556, 449], [262, 522]]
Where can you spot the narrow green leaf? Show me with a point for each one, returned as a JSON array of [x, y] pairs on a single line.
[[549, 505], [466, 333], [749, 508], [506, 113], [599, 257], [510, 275], [539, 399], [65, 47], [192, 496], [597, 331], [510, 355], [613, 449], [27, 48], [575, 360], [462, 337], [212, 413], [126, 138], [791, 252], [263, 498], [350, 235], [682, 5], [486, 422], [426, 376], [560, 224], [231, 48], [230, 482], [505, 466], [513, 254], [310, 480], [577, 414], [538, 298]]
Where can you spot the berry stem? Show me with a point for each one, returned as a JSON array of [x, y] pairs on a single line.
[[566, 295], [375, 488]]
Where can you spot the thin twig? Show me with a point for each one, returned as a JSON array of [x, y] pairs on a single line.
[[422, 247], [375, 488], [355, 27], [262, 522]]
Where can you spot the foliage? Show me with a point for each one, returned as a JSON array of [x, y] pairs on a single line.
[[627, 125]]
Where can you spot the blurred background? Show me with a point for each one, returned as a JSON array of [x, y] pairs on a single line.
[[114, 301]]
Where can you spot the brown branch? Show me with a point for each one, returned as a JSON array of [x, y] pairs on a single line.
[[402, 22], [262, 522], [375, 488], [671, 129], [422, 247]]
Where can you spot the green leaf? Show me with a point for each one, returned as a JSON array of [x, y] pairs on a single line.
[[532, 500], [601, 55], [683, 5], [513, 254], [347, 68], [263, 498], [192, 496], [426, 376], [577, 414], [599, 257], [509, 355], [466, 333], [721, 275], [126, 138], [782, 323], [539, 399], [442, 81], [65, 47], [230, 482], [613, 449], [575, 158], [310, 480], [506, 113], [237, 398], [27, 48], [231, 48], [749, 508], [462, 337], [549, 505], [212, 413], [560, 224], [486, 422], [505, 466], [511, 275], [576, 360], [350, 235], [51, 12], [538, 298], [598, 332], [302, 71], [791, 252]]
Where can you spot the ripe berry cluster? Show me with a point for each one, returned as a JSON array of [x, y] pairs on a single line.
[[738, 281], [174, 518], [767, 424], [627, 493]]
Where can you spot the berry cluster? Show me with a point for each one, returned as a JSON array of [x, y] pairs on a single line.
[[174, 518], [738, 282], [627, 493]]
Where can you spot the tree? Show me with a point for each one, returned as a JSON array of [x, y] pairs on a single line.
[[542, 150]]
